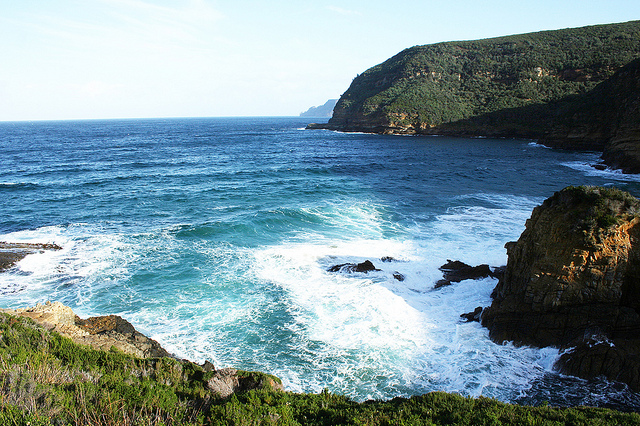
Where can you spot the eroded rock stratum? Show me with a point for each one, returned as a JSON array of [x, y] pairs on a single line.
[[573, 281]]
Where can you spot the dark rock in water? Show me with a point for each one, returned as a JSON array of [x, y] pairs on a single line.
[[388, 259], [617, 359], [575, 273], [442, 283], [472, 316], [498, 272], [398, 276], [599, 166], [456, 271], [12, 253], [365, 266]]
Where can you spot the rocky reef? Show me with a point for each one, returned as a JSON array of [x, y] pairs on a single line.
[[572, 281]]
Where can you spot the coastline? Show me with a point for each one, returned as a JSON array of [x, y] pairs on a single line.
[[85, 386]]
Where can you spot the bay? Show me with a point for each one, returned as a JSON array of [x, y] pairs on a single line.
[[214, 237]]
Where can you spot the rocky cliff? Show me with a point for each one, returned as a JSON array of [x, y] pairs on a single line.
[[565, 87], [604, 119], [423, 88], [572, 280], [325, 110]]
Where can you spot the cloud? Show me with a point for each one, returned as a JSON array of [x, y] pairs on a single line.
[[342, 11]]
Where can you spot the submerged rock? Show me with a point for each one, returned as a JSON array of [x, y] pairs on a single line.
[[398, 276], [573, 274]]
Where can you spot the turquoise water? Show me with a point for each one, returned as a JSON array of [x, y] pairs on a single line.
[[214, 236]]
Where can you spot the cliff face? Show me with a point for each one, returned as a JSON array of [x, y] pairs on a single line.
[[607, 118], [573, 280], [623, 149]]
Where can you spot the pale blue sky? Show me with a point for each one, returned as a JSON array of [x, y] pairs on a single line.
[[70, 59]]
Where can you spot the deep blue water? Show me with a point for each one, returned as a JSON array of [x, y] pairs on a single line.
[[214, 236]]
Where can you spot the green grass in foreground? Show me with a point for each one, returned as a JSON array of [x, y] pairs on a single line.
[[46, 379]]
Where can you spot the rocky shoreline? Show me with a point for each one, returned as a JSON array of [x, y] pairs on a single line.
[[12, 253], [106, 333], [572, 281], [605, 119]]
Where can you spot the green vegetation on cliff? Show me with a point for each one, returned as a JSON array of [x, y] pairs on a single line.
[[451, 87], [46, 379]]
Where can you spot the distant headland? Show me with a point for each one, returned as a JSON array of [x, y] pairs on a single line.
[[573, 89], [322, 111]]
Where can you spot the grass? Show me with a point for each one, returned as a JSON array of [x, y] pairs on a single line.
[[46, 379]]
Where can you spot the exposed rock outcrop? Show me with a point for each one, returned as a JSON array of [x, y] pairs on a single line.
[[228, 381], [98, 332], [472, 316], [455, 271], [574, 276], [366, 266], [12, 253], [105, 332]]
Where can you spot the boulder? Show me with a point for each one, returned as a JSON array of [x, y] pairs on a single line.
[[227, 381], [573, 274], [456, 271], [366, 266]]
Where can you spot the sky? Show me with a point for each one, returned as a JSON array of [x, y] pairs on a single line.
[[95, 59]]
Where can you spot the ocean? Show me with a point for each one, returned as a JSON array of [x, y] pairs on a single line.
[[214, 237]]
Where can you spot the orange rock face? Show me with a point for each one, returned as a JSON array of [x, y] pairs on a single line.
[[573, 279]]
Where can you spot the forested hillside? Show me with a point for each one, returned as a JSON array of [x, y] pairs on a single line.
[[455, 87]]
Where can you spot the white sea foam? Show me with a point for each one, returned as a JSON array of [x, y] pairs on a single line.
[[538, 145], [588, 169], [405, 330], [364, 335], [70, 275]]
